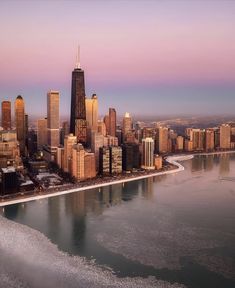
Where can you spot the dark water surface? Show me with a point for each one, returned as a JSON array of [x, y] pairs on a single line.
[[178, 228]]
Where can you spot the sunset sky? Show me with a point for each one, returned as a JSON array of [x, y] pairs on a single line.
[[144, 57]]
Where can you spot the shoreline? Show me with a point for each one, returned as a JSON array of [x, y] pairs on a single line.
[[173, 159]]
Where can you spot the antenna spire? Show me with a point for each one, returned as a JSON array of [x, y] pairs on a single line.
[[78, 65]]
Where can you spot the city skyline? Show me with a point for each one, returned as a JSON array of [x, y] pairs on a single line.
[[178, 63]]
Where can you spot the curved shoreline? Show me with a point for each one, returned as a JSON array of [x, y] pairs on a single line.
[[171, 159]]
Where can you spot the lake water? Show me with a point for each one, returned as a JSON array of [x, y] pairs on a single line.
[[178, 228]]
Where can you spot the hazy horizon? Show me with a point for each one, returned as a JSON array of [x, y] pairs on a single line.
[[152, 58]]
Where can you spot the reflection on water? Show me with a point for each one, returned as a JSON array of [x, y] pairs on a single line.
[[177, 227]]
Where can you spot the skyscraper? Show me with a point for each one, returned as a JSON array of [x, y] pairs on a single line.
[[20, 122], [225, 136], [162, 139], [53, 121], [69, 141], [41, 133], [112, 122], [92, 112], [6, 115], [148, 153], [126, 124], [78, 109]]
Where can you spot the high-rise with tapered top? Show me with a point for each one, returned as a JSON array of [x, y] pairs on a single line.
[[20, 122], [78, 108]]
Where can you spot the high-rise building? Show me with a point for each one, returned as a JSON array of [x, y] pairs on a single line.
[[198, 139], [53, 121], [89, 166], [69, 141], [126, 125], [78, 123], [92, 112], [104, 160], [225, 136], [210, 140], [41, 133], [20, 122], [115, 160], [180, 143], [162, 140], [6, 115], [130, 156], [112, 122], [78, 158], [148, 153]]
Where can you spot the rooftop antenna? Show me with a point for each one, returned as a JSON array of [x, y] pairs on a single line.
[[78, 65]]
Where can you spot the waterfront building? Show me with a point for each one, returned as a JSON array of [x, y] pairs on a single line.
[[69, 141], [9, 149], [112, 122], [92, 112], [78, 123], [162, 143], [78, 157], [180, 143], [89, 166], [20, 122], [147, 153], [158, 162], [6, 115], [225, 136], [53, 123], [217, 137], [41, 133], [198, 139], [188, 145], [130, 156], [104, 160], [210, 140], [9, 181], [115, 160]]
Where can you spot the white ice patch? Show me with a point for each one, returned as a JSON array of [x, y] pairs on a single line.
[[29, 259], [152, 236]]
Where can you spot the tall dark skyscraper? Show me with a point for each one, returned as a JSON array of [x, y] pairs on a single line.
[[78, 109]]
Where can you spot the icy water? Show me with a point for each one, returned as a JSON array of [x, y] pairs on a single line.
[[178, 228]]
